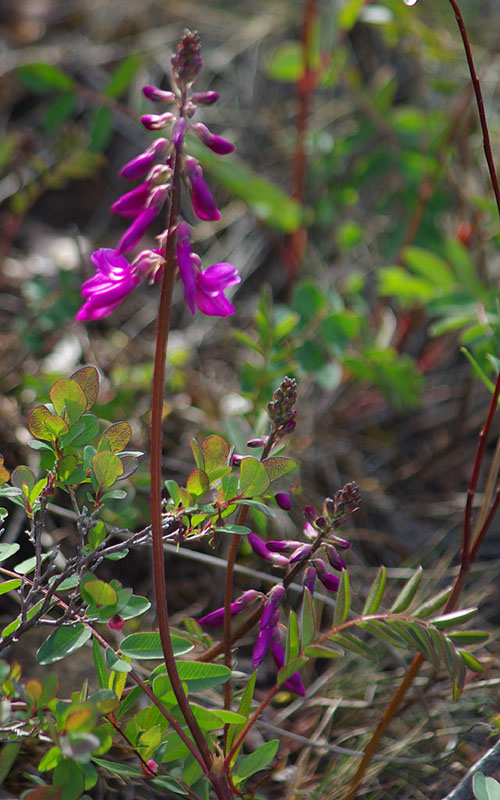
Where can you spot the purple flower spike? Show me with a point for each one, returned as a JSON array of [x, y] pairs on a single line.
[[214, 143], [201, 196], [157, 95], [136, 231], [205, 98], [301, 554], [132, 203], [113, 281], [142, 163], [216, 618], [294, 682], [284, 501], [210, 286]]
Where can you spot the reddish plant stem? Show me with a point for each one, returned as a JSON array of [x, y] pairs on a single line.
[[467, 556], [156, 468], [249, 724]]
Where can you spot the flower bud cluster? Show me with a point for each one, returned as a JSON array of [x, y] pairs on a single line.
[[281, 410], [319, 531]]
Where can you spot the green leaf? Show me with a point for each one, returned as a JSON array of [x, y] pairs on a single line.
[[97, 534], [122, 76], [215, 451], [199, 675], [291, 668], [256, 761], [349, 13], [100, 665], [350, 642], [62, 643], [8, 550], [254, 479], [147, 645], [43, 77], [429, 266], [97, 592], [197, 482], [468, 637], [282, 472], [88, 379], [23, 475], [383, 631], [8, 586], [116, 664], [485, 788], [70, 778], [265, 199], [8, 755], [292, 640], [428, 608], [407, 593], [453, 618], [68, 399], [342, 600], [471, 661], [118, 436], [308, 619], [117, 768], [107, 468], [197, 454], [238, 530], [101, 129], [90, 431], [323, 651], [396, 282], [376, 593], [286, 63], [136, 606]]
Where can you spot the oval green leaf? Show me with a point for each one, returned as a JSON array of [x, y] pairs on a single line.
[[147, 645], [62, 643]]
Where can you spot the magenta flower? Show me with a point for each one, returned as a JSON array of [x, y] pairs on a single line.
[[294, 682], [132, 203], [216, 617], [114, 280], [283, 500], [201, 196], [204, 289], [142, 163], [214, 143]]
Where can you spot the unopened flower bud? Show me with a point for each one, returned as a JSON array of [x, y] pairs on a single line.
[[236, 459], [150, 768], [310, 579], [201, 197], [301, 554], [205, 98], [263, 640], [290, 426], [142, 163], [321, 523], [156, 122], [282, 546], [158, 95], [329, 507], [309, 532], [216, 617], [256, 443], [116, 622], [178, 131], [215, 143], [328, 579], [283, 500], [186, 62], [275, 596], [294, 683], [309, 513], [333, 557]]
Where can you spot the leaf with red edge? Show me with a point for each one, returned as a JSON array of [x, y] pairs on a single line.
[[88, 379], [118, 436], [283, 473], [4, 473], [36, 423], [68, 399], [215, 451]]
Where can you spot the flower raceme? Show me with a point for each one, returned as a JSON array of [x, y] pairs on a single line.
[[115, 277]]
